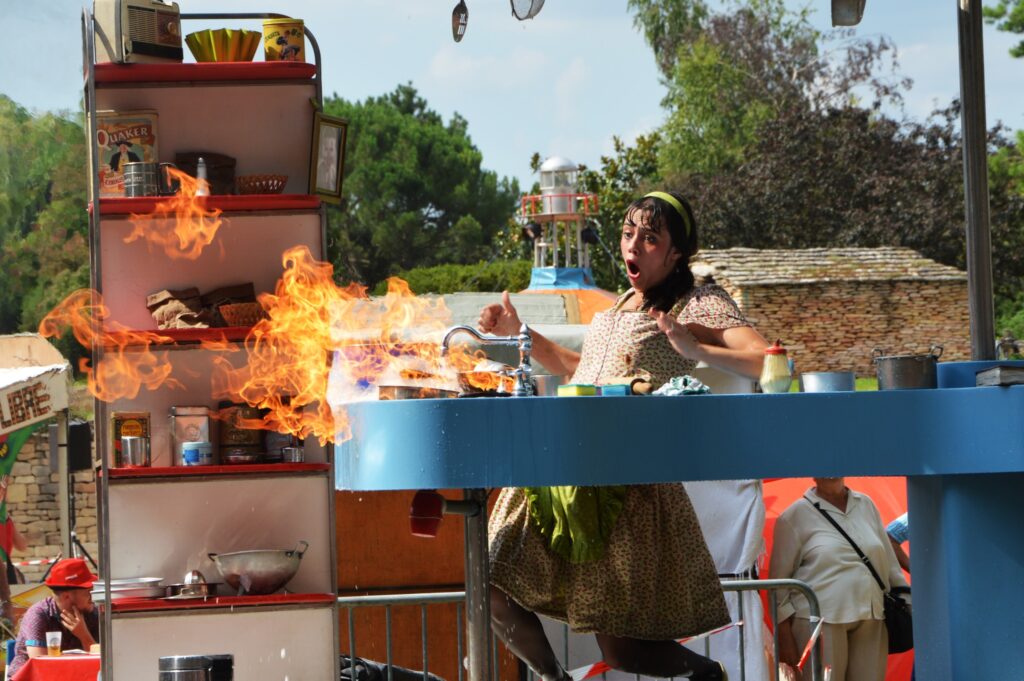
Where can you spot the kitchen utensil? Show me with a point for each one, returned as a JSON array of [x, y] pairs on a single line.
[[135, 451], [259, 572], [121, 593], [546, 385], [907, 372], [261, 184], [408, 392], [128, 582], [146, 178], [223, 44], [293, 454], [485, 381], [827, 381], [242, 314], [188, 424], [185, 668], [181, 592], [197, 453], [239, 455]]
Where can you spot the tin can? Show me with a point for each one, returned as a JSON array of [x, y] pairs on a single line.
[[196, 454], [293, 455], [188, 424], [284, 40], [233, 430], [135, 451], [126, 423]]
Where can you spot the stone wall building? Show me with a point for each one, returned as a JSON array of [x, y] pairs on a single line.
[[833, 306], [32, 504]]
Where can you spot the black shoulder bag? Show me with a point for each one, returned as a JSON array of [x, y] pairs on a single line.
[[898, 617]]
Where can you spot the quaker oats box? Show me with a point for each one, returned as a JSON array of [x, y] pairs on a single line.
[[123, 137]]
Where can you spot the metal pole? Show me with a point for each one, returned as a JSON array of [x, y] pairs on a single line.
[[976, 208], [478, 589], [64, 486]]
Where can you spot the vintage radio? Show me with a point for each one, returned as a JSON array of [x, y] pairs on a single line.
[[137, 31]]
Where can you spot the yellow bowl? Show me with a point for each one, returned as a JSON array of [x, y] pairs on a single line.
[[223, 44]]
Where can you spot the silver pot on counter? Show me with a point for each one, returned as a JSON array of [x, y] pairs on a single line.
[[259, 572], [907, 372]]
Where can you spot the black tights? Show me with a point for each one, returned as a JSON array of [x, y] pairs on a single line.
[[523, 634]]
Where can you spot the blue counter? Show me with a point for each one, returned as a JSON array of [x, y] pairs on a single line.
[[961, 448]]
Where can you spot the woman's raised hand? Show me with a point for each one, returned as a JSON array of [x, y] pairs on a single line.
[[680, 337], [500, 319]]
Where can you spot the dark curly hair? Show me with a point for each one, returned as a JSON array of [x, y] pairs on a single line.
[[659, 214]]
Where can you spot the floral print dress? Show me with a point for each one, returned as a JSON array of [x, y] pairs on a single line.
[[656, 579]]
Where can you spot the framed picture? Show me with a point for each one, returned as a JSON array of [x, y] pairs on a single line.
[[327, 167]]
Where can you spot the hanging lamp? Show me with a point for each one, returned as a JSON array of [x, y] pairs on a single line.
[[526, 9]]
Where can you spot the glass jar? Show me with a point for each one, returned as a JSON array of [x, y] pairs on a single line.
[[188, 424]]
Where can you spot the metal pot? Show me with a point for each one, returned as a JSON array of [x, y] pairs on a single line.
[[485, 381], [827, 381], [907, 372], [259, 572], [409, 392]]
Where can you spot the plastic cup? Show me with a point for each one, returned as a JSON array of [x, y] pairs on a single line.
[[53, 643]]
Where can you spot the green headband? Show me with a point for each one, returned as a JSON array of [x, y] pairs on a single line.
[[674, 202]]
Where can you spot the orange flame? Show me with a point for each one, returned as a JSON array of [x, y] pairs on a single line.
[[181, 225], [322, 345], [126, 362]]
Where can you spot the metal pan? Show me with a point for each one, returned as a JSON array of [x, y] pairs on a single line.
[[408, 392]]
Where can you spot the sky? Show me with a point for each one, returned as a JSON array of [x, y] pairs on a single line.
[[563, 83]]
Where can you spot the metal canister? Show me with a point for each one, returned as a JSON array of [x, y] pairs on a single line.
[[185, 668], [293, 454], [135, 451], [188, 424], [131, 423], [233, 430]]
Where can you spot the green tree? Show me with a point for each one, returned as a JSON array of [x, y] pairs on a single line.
[[749, 64], [415, 193], [622, 177], [1008, 15], [43, 219]]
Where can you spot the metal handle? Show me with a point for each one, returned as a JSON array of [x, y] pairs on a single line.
[[933, 353], [297, 550], [213, 556], [876, 354]]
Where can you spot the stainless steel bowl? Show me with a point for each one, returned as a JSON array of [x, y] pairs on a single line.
[[827, 381], [259, 572]]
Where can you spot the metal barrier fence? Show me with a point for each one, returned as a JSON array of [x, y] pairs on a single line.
[[423, 600]]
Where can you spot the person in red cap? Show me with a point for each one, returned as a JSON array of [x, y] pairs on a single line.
[[70, 611]]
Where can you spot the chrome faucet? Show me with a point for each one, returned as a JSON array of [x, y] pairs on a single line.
[[524, 341]]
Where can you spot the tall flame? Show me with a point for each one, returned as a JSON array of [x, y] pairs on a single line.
[[181, 225], [320, 338], [126, 363]]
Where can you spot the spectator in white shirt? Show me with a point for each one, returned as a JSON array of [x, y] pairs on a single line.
[[807, 547]]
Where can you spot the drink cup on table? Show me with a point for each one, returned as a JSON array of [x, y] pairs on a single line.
[[53, 643]]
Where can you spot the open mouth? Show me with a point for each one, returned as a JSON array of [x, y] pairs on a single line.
[[632, 268]]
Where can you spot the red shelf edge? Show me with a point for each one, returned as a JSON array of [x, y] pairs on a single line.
[[203, 72], [144, 205], [226, 469], [158, 605]]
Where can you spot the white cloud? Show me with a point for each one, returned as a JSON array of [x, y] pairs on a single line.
[[452, 67]]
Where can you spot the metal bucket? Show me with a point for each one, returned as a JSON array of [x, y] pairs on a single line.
[[827, 381], [907, 372]]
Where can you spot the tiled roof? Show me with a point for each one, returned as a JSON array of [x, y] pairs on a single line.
[[765, 267]]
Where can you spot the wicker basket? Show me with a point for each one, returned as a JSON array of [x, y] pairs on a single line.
[[242, 314], [261, 184]]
